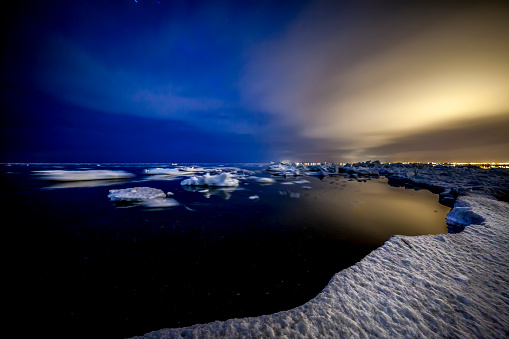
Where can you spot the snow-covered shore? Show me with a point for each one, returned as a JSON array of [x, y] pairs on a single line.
[[434, 286]]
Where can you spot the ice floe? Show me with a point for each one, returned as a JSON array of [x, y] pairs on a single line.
[[167, 171], [64, 175], [136, 194], [265, 180], [220, 180]]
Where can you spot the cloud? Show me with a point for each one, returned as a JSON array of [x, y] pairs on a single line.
[[75, 75], [355, 77], [483, 138]]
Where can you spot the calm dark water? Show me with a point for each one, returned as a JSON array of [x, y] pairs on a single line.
[[85, 266]]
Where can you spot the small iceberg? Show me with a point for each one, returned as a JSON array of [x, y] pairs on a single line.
[[136, 194], [168, 171], [265, 180], [220, 180], [302, 182], [63, 175]]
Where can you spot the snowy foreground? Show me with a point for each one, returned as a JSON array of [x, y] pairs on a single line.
[[434, 286]]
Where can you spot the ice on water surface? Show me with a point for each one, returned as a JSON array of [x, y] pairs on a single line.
[[220, 180], [67, 175], [136, 194]]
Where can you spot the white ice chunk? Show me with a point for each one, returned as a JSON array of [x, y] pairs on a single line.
[[295, 195], [302, 181], [63, 175], [254, 197], [168, 171], [265, 180], [136, 194], [463, 216], [221, 180]]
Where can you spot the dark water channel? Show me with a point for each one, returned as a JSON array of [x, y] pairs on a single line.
[[84, 267]]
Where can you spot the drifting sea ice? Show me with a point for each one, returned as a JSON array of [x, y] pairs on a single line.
[[167, 171], [63, 175], [265, 180], [136, 194], [220, 180]]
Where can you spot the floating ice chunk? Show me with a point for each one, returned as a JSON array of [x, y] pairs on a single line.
[[295, 195], [169, 194], [302, 181], [63, 175], [136, 194], [167, 171], [265, 180], [306, 187], [463, 216], [160, 203], [254, 197], [287, 183], [221, 180]]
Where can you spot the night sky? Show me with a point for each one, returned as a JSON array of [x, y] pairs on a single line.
[[254, 81]]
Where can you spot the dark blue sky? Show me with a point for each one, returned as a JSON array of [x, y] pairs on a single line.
[[242, 81]]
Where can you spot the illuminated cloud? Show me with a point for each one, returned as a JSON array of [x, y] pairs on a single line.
[[357, 78]]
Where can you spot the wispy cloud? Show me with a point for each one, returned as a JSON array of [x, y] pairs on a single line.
[[76, 75]]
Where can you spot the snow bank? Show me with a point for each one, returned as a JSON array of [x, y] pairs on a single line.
[[64, 175], [220, 180], [136, 194], [448, 285]]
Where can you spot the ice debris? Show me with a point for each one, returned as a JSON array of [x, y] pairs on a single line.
[[181, 171], [220, 180], [136, 194], [265, 180], [64, 175]]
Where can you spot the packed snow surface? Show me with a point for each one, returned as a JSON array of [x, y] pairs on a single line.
[[136, 194], [220, 180], [433, 286], [64, 175]]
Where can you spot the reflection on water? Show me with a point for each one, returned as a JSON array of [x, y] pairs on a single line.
[[370, 212], [209, 254], [222, 192]]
